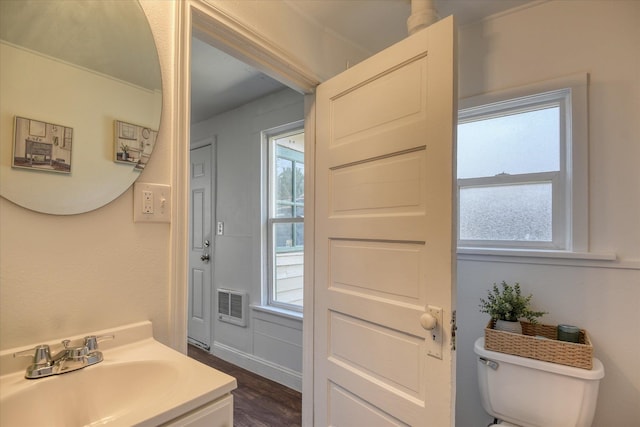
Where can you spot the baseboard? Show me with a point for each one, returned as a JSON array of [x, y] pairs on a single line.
[[262, 367]]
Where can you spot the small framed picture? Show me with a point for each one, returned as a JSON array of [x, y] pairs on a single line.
[[133, 143], [42, 146]]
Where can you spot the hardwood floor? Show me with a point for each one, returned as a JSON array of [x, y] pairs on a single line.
[[257, 402]]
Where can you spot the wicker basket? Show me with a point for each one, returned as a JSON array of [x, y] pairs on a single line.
[[530, 345]]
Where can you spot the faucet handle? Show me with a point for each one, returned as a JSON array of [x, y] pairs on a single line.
[[41, 354], [91, 342]]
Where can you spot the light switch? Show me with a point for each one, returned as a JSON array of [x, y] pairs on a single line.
[[151, 202]]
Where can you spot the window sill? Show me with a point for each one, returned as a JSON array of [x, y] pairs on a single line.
[[546, 257], [282, 312], [539, 253]]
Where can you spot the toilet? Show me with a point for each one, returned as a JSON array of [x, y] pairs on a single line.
[[524, 392]]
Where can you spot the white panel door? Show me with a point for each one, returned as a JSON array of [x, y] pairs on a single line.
[[384, 243], [200, 247]]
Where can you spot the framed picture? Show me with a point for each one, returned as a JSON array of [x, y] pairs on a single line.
[[133, 144], [38, 145]]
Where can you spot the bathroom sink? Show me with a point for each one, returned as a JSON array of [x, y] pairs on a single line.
[[140, 382], [91, 396]]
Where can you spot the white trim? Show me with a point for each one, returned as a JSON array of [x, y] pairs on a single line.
[[259, 366], [233, 37], [603, 256], [510, 11], [549, 258], [179, 245], [278, 311], [281, 67], [209, 140], [309, 261]]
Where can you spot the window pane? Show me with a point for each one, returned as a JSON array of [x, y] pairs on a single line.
[[525, 142], [288, 236], [299, 187], [283, 236], [289, 263], [288, 281], [509, 212], [283, 210], [284, 180], [299, 234]]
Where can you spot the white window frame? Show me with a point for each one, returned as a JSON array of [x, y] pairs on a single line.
[[569, 185], [269, 260]]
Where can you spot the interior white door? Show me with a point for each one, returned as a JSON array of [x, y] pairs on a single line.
[[200, 248], [384, 241]]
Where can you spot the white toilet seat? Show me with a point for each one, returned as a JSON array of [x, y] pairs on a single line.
[[503, 424]]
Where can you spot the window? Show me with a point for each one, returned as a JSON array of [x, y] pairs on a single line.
[[285, 221], [518, 173]]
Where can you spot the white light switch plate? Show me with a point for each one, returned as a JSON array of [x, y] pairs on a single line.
[[151, 202]]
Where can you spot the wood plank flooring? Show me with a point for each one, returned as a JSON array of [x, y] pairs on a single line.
[[257, 402]]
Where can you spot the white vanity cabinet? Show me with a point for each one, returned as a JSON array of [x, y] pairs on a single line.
[[215, 414]]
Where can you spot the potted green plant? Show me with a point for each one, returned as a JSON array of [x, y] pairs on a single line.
[[507, 306]]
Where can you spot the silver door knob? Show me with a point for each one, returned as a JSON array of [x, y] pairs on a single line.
[[205, 257]]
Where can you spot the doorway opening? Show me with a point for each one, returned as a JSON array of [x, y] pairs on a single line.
[[228, 233], [203, 22]]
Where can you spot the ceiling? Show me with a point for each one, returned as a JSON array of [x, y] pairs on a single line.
[[220, 83], [112, 38]]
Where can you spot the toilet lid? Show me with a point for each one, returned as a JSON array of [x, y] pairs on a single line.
[[503, 424]]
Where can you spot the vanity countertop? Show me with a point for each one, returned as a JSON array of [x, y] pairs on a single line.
[[140, 382]]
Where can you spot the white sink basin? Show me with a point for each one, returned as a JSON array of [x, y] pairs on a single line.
[[140, 383], [94, 395]]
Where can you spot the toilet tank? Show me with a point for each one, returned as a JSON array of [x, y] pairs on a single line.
[[533, 393]]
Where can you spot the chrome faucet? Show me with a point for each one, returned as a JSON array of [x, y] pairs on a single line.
[[68, 359]]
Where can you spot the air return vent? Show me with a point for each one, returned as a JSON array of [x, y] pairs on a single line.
[[231, 307]]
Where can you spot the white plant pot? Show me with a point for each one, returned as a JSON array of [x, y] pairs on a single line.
[[508, 326]]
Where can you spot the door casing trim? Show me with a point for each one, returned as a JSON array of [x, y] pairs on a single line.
[[225, 32]]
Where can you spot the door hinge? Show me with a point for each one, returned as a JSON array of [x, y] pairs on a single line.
[[454, 328]]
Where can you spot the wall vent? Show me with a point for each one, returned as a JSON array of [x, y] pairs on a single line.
[[232, 307]]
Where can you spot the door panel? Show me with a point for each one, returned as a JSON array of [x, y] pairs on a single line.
[[198, 295], [354, 344], [353, 411], [200, 241], [384, 236], [394, 269]]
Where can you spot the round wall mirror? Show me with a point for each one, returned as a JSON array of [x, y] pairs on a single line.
[[81, 102]]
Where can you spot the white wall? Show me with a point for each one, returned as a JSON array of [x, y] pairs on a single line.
[[269, 341], [549, 40], [66, 275]]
